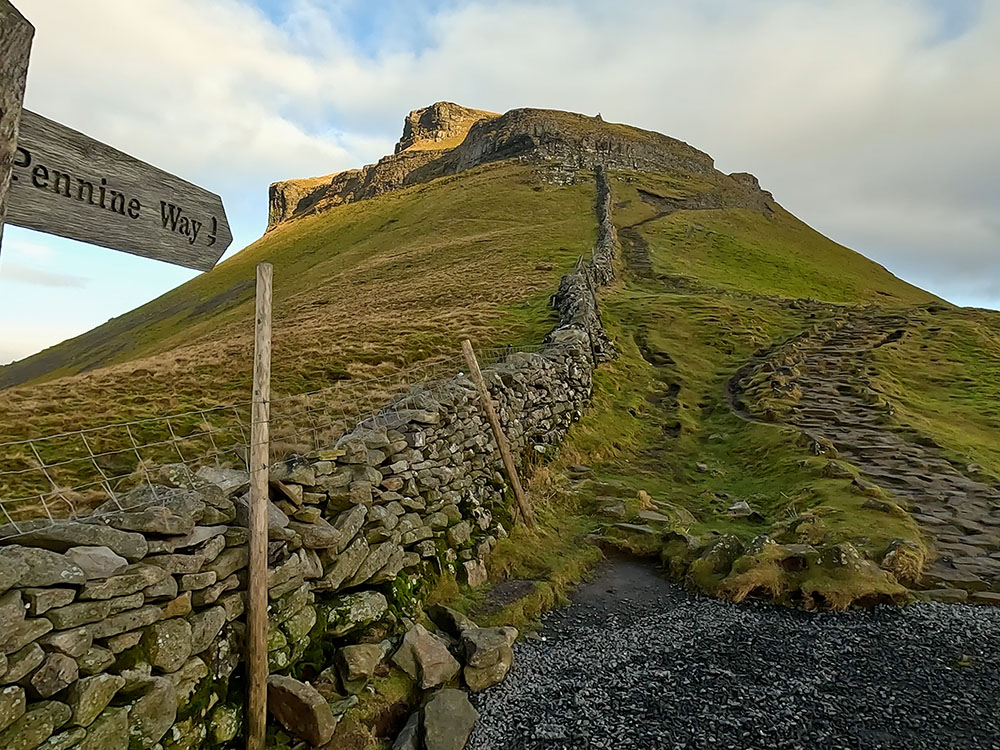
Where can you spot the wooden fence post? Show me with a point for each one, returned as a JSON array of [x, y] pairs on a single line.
[[15, 46], [491, 415], [259, 460]]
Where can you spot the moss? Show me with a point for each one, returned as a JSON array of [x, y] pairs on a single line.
[[827, 577]]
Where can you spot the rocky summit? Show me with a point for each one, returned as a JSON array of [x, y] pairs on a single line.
[[445, 139], [802, 443]]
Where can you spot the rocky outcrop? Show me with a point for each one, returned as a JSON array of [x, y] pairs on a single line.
[[427, 132], [445, 139], [441, 125]]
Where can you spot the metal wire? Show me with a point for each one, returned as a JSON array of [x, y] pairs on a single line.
[[96, 467]]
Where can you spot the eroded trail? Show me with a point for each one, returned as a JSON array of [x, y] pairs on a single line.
[[818, 382], [636, 663]]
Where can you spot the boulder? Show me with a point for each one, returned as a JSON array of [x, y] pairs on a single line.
[[60, 536], [136, 578], [357, 663], [11, 614], [448, 720], [348, 524], [450, 620], [350, 612], [95, 661], [229, 561], [185, 502], [167, 644], [300, 709], [316, 535], [41, 567], [198, 535], [460, 533], [57, 672], [12, 705], [74, 643], [187, 680], [110, 731], [23, 662], [152, 520], [346, 564], [425, 658], [41, 601], [205, 627], [224, 723], [276, 518], [152, 714], [35, 726], [409, 737], [230, 481], [64, 740], [97, 562], [475, 573], [10, 571], [27, 632], [377, 558], [125, 622], [91, 695], [488, 655], [480, 678], [80, 613]]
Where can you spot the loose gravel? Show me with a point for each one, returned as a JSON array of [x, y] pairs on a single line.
[[637, 662]]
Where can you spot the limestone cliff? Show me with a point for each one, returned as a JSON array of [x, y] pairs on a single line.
[[439, 126], [446, 138]]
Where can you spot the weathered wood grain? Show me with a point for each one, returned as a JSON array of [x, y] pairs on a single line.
[[66, 183], [15, 46], [259, 500]]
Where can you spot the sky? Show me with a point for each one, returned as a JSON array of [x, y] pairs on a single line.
[[875, 121]]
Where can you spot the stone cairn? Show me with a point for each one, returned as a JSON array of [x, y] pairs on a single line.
[[125, 629]]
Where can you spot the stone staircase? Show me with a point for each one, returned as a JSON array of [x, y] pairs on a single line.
[[823, 376]]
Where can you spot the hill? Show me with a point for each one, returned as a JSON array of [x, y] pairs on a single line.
[[774, 398]]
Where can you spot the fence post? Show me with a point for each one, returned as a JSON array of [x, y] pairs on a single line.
[[259, 459], [491, 415]]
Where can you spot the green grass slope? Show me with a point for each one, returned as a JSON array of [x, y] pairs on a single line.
[[713, 271], [359, 292]]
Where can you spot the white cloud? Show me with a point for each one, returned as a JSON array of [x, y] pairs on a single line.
[[867, 118], [14, 272]]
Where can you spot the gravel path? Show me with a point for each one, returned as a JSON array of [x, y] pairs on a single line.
[[636, 662]]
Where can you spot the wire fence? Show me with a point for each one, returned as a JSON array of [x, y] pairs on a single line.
[[94, 470]]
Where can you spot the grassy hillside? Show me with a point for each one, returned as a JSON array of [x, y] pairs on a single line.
[[358, 292], [944, 381], [714, 275]]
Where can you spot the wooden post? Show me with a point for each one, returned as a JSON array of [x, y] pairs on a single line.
[[15, 46], [508, 460], [259, 459]]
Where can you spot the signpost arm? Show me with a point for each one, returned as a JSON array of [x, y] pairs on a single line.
[[259, 436], [491, 415], [15, 46]]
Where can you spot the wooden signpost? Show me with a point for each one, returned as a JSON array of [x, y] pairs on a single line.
[[54, 179], [67, 184], [15, 45]]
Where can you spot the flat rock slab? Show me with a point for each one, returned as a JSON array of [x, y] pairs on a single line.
[[635, 662]]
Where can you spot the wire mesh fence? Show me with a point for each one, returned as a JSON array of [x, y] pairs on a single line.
[[85, 472]]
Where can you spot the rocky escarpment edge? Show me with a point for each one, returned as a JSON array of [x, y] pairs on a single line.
[[126, 630], [564, 139]]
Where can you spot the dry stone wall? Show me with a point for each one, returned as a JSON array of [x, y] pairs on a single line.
[[126, 629]]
